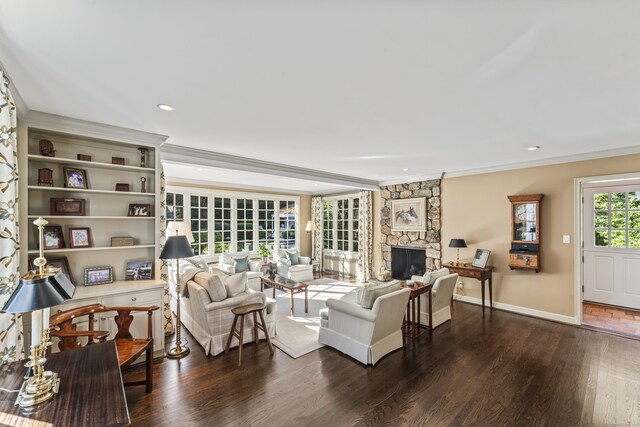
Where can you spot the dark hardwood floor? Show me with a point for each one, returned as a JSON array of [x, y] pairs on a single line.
[[503, 369]]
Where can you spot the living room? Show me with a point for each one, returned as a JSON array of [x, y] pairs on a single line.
[[478, 159]]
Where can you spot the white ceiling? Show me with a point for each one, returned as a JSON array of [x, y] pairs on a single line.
[[362, 88]]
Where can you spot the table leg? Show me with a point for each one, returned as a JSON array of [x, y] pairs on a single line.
[[419, 323], [413, 319], [261, 286], [491, 292], [430, 312], [306, 301], [482, 291], [274, 292], [293, 310]]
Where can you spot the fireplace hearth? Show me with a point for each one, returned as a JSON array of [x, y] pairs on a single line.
[[407, 262]]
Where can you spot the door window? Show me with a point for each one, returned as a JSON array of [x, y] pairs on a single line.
[[616, 219]]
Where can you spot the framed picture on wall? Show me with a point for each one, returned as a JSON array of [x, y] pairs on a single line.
[[98, 275], [481, 258], [80, 237], [60, 263], [53, 237], [409, 214], [75, 178]]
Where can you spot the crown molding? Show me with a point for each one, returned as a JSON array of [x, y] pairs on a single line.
[[592, 155], [407, 179], [55, 123], [209, 185], [170, 153]]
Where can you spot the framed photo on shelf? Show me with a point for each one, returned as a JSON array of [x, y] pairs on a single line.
[[139, 270], [60, 206], [137, 209], [75, 178], [53, 237], [80, 237], [98, 275], [409, 214], [480, 258], [61, 263]]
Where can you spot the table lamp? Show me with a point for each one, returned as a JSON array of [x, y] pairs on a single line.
[[176, 247], [457, 243], [312, 228], [36, 291]]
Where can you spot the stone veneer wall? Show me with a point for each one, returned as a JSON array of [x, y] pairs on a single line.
[[430, 239]]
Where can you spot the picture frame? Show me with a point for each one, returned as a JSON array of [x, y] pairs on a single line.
[[481, 258], [409, 214], [75, 178], [139, 270], [67, 207], [61, 263], [139, 209], [98, 275], [80, 237], [53, 237]]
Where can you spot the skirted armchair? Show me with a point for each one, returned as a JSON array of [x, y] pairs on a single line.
[[441, 296], [293, 266]]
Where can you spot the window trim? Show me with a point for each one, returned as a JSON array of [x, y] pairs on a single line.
[[334, 199]]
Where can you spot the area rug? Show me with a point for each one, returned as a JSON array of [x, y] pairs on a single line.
[[298, 335]]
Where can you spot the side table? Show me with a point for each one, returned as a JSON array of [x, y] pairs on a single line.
[[412, 326], [482, 274]]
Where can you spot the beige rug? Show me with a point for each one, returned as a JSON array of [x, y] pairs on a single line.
[[298, 335]]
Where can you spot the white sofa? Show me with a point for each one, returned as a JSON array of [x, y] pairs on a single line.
[[210, 322], [253, 275], [441, 297], [365, 334], [302, 272]]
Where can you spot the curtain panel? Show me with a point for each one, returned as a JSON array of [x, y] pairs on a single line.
[[11, 337], [166, 296], [365, 237], [316, 217]]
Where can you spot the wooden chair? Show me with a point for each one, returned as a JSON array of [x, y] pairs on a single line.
[[129, 349]]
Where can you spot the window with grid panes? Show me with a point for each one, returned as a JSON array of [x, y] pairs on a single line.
[[174, 209], [200, 224], [327, 224], [355, 215], [266, 222], [287, 219], [221, 224], [342, 225], [617, 220], [244, 225]]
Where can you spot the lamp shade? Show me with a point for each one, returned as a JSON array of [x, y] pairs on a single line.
[[311, 226], [176, 247], [180, 228], [38, 291], [457, 243]]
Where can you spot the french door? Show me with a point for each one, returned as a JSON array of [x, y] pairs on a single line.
[[611, 232]]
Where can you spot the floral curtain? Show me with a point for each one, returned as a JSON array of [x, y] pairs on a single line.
[[316, 217], [11, 337], [166, 297], [365, 237]]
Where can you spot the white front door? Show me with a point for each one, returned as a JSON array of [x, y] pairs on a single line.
[[611, 232]]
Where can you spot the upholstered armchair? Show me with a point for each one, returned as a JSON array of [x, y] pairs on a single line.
[[365, 334], [302, 271], [227, 264], [441, 296]]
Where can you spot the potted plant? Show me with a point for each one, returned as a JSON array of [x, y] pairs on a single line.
[[264, 252]]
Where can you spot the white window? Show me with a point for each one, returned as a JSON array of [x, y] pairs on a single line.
[[175, 207], [200, 224], [245, 225], [340, 223], [266, 222], [287, 216], [221, 224], [617, 219]]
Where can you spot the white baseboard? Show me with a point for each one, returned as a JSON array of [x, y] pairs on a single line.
[[521, 310]]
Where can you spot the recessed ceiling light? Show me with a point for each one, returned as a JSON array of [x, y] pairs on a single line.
[[315, 185], [405, 169], [534, 148], [165, 107]]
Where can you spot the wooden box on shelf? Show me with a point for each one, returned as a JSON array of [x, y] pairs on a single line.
[[117, 160], [122, 241], [122, 186], [525, 250], [45, 177], [71, 207], [85, 157]]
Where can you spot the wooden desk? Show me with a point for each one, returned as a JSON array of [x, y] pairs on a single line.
[[482, 274], [91, 391]]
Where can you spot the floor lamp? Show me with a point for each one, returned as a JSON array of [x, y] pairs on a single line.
[[177, 247], [312, 228]]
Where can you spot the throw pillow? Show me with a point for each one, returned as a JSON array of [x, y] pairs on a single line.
[[368, 295], [198, 262], [241, 263], [236, 284], [293, 257], [212, 283]]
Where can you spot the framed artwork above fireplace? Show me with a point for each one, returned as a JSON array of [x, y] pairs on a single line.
[[409, 214]]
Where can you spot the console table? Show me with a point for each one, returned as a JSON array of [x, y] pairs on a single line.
[[91, 391], [482, 274]]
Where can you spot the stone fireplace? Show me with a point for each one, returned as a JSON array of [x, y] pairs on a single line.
[[429, 240], [407, 262]]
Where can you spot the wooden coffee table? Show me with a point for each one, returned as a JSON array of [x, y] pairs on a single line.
[[286, 285]]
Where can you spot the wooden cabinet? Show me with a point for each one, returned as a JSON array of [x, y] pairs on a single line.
[[526, 231]]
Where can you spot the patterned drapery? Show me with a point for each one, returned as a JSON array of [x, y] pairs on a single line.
[[316, 217], [11, 337], [166, 296], [365, 237]]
